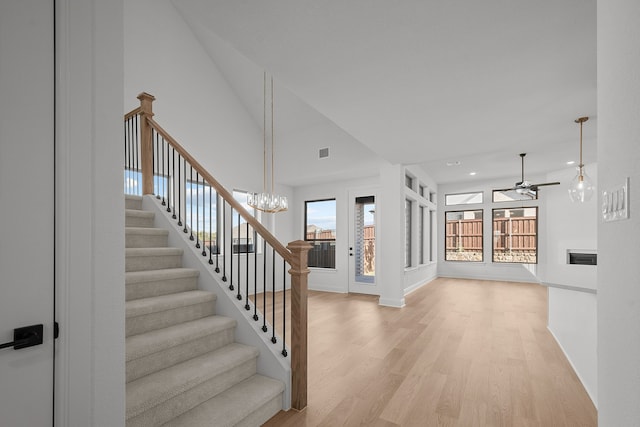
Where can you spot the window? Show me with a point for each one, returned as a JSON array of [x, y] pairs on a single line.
[[463, 198], [408, 181], [463, 236], [423, 191], [200, 214], [133, 183], [515, 235], [408, 206], [243, 236], [432, 227], [421, 241], [320, 231], [513, 195]]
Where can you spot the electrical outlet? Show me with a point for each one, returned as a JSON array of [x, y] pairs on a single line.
[[615, 203]]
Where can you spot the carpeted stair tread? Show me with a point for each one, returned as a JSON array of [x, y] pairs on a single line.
[[234, 405], [155, 275], [150, 283], [132, 202], [161, 339], [138, 218], [145, 237], [155, 389], [140, 259], [144, 306]]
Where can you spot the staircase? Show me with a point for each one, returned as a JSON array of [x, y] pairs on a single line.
[[183, 367]]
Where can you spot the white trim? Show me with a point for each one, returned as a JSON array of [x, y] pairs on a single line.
[[389, 302], [89, 221], [410, 289]]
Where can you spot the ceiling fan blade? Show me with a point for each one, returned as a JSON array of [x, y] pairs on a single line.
[[505, 189], [545, 184]]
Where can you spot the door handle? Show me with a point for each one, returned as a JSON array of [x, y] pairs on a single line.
[[24, 337]]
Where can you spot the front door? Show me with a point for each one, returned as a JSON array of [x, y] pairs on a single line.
[[26, 208], [362, 242]]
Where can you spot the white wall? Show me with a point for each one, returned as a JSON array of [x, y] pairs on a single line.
[[619, 250], [487, 270], [572, 313], [323, 279], [568, 225], [193, 103]]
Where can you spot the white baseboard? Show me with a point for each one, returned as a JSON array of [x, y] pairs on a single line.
[[418, 285], [390, 302]]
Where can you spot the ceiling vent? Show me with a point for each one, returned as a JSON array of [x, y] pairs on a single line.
[[323, 153]]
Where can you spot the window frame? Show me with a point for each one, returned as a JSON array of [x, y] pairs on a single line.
[[312, 241], [481, 193], [493, 240], [482, 236]]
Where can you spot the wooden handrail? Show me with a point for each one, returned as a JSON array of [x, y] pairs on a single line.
[[266, 234]]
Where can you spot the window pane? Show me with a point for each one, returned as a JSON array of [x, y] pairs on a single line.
[[421, 236], [515, 235], [407, 233], [320, 231], [513, 195], [243, 236], [463, 234], [201, 220], [408, 181], [463, 198]]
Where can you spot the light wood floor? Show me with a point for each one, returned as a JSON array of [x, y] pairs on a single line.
[[461, 353]]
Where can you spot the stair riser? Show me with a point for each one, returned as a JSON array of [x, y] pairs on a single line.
[[136, 221], [163, 319], [260, 415], [154, 362], [157, 262], [145, 241], [160, 287], [132, 203], [189, 399]]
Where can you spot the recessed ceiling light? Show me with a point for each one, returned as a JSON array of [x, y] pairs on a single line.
[[454, 163], [472, 173], [571, 162]]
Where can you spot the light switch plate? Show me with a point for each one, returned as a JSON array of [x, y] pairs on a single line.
[[615, 203]]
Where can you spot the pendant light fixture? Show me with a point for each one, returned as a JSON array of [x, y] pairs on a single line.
[[581, 188], [267, 201]]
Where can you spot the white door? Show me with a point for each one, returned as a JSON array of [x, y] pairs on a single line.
[[26, 208], [362, 241]]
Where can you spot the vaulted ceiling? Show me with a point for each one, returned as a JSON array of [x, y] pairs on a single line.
[[414, 82]]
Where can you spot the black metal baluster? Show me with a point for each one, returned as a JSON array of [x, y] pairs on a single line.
[[173, 183], [204, 252], [218, 232], [164, 172], [264, 286], [284, 307], [156, 166], [239, 246], [230, 249], [210, 231], [273, 296], [186, 230], [224, 239], [168, 172], [179, 193], [191, 202], [255, 277], [135, 151], [197, 210], [246, 301], [126, 172]]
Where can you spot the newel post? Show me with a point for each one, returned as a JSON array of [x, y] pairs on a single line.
[[146, 142], [299, 274]]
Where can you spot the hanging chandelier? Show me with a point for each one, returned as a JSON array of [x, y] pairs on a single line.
[[267, 201], [581, 188]]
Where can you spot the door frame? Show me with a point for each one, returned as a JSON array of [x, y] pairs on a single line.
[[352, 285], [89, 222]]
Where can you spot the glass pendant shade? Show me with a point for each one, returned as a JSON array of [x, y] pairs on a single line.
[[581, 188], [268, 202]]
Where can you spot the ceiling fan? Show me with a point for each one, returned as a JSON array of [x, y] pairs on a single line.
[[525, 187]]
